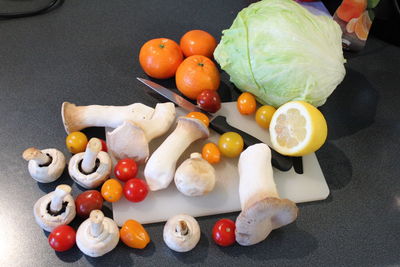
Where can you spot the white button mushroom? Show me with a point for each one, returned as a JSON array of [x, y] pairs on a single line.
[[181, 233], [262, 209], [195, 176], [160, 168], [92, 167], [55, 209], [97, 235], [45, 166]]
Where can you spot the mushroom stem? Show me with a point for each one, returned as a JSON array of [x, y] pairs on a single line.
[[89, 158], [35, 154], [181, 228], [58, 197], [96, 220]]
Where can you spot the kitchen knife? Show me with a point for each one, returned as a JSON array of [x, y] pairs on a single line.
[[219, 123]]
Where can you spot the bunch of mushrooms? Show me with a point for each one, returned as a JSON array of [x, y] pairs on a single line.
[[135, 125], [45, 166], [97, 235], [262, 209], [160, 168], [181, 233], [92, 167], [55, 209]]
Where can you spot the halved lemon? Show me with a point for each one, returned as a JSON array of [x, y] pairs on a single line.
[[297, 129]]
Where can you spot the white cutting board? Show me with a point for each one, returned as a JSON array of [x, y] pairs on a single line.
[[161, 205]]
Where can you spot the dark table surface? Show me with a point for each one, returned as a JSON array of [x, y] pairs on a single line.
[[86, 52]]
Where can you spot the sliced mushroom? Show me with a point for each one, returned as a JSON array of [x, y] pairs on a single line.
[[97, 235], [195, 176], [262, 209], [131, 139], [160, 168], [55, 209], [92, 167], [181, 233], [45, 166]]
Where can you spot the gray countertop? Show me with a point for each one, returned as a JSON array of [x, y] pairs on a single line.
[[86, 52]]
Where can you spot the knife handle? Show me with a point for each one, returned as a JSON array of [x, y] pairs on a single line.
[[221, 126]]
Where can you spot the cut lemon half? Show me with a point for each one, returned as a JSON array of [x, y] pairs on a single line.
[[297, 129]]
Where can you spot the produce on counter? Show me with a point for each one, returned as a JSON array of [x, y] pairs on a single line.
[[264, 115], [195, 176], [125, 169], [246, 104], [55, 209], [76, 142], [62, 238], [181, 233], [88, 201], [297, 129], [160, 167], [131, 139], [97, 235], [209, 100], [135, 190], [160, 58], [211, 153], [111, 190], [195, 74], [223, 232], [230, 144], [262, 209], [279, 51], [91, 168], [200, 116], [198, 42], [134, 235], [45, 166]]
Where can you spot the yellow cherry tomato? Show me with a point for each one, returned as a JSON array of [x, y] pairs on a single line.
[[134, 235], [246, 104], [264, 116], [230, 144], [76, 142], [200, 116], [211, 153], [111, 190]]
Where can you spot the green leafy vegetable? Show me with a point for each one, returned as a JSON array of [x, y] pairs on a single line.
[[279, 51]]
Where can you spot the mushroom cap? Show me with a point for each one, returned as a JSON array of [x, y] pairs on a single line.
[[47, 221], [194, 124], [94, 179], [254, 224], [50, 173], [195, 176], [175, 240], [100, 245]]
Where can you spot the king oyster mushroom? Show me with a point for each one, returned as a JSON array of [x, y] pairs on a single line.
[[181, 233], [55, 209], [262, 209]]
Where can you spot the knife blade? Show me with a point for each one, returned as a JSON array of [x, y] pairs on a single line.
[[218, 123]]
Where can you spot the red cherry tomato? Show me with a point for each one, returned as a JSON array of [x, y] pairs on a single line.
[[125, 169], [103, 145], [224, 232], [135, 190], [209, 100], [88, 201], [62, 238]]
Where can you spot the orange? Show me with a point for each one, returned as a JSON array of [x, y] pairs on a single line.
[[198, 42], [160, 58], [196, 74]]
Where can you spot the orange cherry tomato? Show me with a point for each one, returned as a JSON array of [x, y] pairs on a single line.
[[196, 74], [230, 144], [246, 104], [134, 235], [211, 153], [198, 42], [111, 190], [264, 116], [76, 142], [160, 58], [200, 116]]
